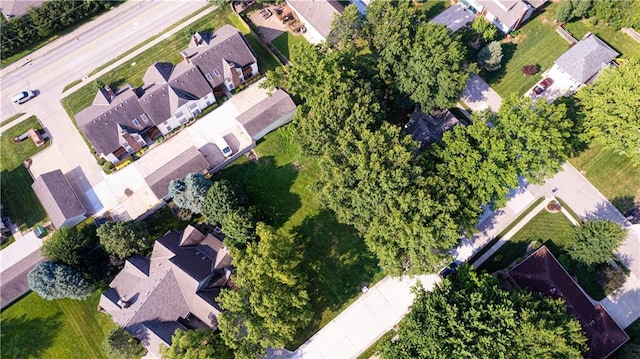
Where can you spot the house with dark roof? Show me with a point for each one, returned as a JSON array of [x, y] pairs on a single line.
[[542, 273], [317, 16], [224, 58], [189, 161], [268, 114], [119, 124], [58, 199], [582, 63], [506, 15], [175, 288]]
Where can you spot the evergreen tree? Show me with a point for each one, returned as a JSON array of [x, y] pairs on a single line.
[[54, 281]]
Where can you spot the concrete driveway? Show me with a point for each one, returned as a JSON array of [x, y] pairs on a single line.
[[455, 17], [478, 95]]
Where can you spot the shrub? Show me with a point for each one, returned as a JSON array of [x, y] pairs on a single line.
[[611, 279], [119, 344], [101, 161], [529, 70], [107, 166]]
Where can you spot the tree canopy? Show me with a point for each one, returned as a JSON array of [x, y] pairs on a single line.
[[119, 344], [222, 198], [124, 239], [596, 240], [77, 248], [197, 344], [190, 192], [267, 303], [471, 316], [54, 281], [490, 56], [611, 108]]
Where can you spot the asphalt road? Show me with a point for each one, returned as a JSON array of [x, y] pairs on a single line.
[[70, 58]]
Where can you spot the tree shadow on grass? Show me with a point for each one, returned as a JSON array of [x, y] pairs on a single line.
[[20, 202], [624, 203], [268, 187], [23, 337], [337, 264]]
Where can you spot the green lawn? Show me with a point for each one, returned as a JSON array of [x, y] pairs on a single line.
[[535, 43], [336, 260], [284, 43], [614, 175], [19, 201], [618, 40], [65, 328], [556, 232], [167, 50]]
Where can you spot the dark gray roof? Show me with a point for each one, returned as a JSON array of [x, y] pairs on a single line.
[[156, 102], [226, 44], [266, 112], [158, 73], [586, 58], [189, 80], [57, 197], [99, 123], [319, 13], [189, 161], [507, 11]]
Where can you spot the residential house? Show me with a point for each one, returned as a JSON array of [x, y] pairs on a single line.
[[119, 124], [13, 8], [581, 64], [542, 273], [189, 161], [225, 58], [268, 114], [317, 16], [58, 199], [429, 128], [506, 15], [175, 288]]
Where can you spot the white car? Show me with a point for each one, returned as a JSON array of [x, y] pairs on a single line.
[[23, 97], [223, 146]]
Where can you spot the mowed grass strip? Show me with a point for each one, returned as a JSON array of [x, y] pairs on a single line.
[[614, 175], [59, 329], [535, 43], [335, 261], [19, 201]]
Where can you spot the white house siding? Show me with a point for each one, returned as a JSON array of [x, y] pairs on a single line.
[[111, 158], [312, 35], [563, 79], [286, 118]]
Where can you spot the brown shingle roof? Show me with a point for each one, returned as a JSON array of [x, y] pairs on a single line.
[[541, 272], [57, 197]]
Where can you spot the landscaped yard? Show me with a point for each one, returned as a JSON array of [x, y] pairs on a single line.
[[618, 40], [336, 261], [285, 43], [556, 232], [535, 43], [169, 51], [60, 329], [19, 201], [614, 175]]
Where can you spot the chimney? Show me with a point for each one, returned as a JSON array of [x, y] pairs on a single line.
[[112, 95], [122, 303], [196, 43], [185, 57]]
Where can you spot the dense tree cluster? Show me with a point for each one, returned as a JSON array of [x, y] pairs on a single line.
[[54, 281], [472, 316], [617, 14], [197, 344], [611, 108], [267, 303], [45, 21], [77, 248], [227, 205], [124, 239], [119, 344]]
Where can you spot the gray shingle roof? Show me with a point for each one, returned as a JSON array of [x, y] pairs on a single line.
[[226, 44], [507, 11], [266, 112], [57, 197], [158, 73], [189, 161], [319, 13], [586, 58]]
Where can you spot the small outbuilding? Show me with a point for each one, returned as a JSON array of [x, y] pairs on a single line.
[[58, 199]]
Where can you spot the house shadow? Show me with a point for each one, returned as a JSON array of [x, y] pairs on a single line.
[[23, 337], [268, 186], [84, 190]]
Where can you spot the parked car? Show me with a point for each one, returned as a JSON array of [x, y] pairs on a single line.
[[23, 97], [543, 85], [223, 146], [449, 270]]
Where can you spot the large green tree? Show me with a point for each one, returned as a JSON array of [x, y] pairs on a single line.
[[77, 248], [222, 198], [268, 302], [119, 344], [124, 239], [190, 192], [54, 281], [197, 344], [611, 107], [471, 316], [596, 240], [346, 28]]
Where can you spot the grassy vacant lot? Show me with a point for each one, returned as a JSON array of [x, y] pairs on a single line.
[[556, 232], [65, 328], [614, 175], [336, 260], [618, 40], [169, 51], [285, 43], [19, 201], [535, 43]]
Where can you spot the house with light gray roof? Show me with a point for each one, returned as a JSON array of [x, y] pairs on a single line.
[[58, 199], [317, 16], [268, 114], [506, 15], [582, 63], [175, 288]]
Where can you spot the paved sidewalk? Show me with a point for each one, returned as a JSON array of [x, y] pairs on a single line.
[[478, 95]]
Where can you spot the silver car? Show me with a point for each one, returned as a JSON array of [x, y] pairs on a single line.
[[23, 97]]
